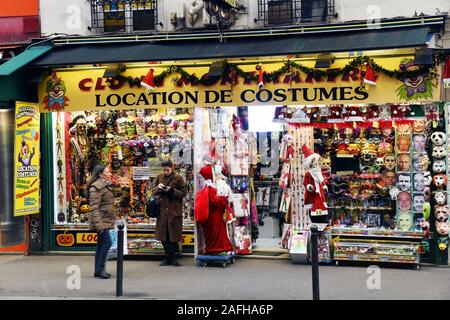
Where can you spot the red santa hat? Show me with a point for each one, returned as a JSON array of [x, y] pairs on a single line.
[[207, 172], [335, 114], [370, 77], [260, 76], [373, 113], [148, 81], [446, 73], [354, 114], [309, 155]]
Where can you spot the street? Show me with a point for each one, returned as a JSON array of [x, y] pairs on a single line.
[[45, 277]]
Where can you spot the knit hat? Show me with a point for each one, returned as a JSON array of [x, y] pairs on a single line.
[[415, 111], [354, 114]]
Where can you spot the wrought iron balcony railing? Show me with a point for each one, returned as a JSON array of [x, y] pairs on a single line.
[[284, 12], [124, 15]]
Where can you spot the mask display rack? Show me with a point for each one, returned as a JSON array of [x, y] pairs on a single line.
[[365, 151]]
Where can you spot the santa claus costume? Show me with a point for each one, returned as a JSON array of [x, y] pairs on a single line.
[[314, 185], [214, 228]]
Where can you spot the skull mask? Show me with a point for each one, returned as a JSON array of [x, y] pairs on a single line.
[[379, 163], [110, 140], [91, 122]]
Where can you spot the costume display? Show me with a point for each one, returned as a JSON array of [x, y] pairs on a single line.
[[132, 143], [217, 196]]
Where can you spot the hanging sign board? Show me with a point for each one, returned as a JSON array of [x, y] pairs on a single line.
[[26, 159], [87, 90]]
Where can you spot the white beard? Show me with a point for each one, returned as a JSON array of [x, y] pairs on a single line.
[[223, 189], [316, 173]]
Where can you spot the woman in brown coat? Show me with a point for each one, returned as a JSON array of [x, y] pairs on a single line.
[[171, 189], [102, 217]]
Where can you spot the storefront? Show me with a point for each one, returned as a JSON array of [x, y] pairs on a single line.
[[94, 112], [191, 118]]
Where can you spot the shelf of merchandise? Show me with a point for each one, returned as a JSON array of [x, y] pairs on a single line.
[[377, 251], [376, 233]]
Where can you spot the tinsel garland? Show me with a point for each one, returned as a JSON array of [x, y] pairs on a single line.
[[289, 67]]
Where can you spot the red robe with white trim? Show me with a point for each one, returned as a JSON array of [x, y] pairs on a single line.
[[315, 198], [214, 228]]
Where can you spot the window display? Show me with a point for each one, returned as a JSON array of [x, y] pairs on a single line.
[[132, 143]]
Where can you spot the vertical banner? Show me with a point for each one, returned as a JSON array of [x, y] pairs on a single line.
[[26, 159]]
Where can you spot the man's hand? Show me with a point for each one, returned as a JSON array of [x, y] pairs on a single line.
[[161, 186]]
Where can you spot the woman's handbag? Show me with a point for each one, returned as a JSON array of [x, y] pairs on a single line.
[[152, 207]]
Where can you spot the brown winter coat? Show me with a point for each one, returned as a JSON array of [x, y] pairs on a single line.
[[101, 200], [171, 207]]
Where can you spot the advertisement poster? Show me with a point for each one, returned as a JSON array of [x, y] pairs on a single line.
[[26, 155]]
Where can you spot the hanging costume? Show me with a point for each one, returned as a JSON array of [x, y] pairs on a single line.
[[214, 228]]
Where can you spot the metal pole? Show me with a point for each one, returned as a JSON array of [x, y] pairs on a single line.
[[315, 263], [119, 280]]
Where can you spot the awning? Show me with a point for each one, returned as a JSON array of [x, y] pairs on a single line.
[[235, 47], [23, 59]]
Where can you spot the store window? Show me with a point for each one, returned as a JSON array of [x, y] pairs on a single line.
[[133, 143]]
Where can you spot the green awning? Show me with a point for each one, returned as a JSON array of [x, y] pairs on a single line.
[[242, 46], [23, 59]]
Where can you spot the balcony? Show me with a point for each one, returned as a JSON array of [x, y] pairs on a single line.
[[286, 12], [123, 16]]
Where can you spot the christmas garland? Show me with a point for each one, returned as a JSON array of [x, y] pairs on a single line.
[[289, 67]]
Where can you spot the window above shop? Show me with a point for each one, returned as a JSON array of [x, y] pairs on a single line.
[[123, 15], [282, 12]]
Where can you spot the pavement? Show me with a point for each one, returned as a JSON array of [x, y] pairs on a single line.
[[45, 277]]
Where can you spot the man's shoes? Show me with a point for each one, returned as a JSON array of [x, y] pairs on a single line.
[[102, 275], [165, 262], [176, 263]]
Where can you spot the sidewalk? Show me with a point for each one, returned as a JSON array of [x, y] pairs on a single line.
[[41, 277]]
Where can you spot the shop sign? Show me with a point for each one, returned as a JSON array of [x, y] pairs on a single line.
[[86, 90], [26, 159], [87, 238]]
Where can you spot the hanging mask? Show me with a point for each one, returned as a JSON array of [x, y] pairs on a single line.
[[438, 152], [441, 213], [389, 161], [140, 126], [438, 138], [131, 128], [427, 178], [440, 197], [442, 228], [440, 181], [439, 166], [121, 125]]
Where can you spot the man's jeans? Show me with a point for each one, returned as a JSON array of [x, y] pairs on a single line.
[[104, 242]]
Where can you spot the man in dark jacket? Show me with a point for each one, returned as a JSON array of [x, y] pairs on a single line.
[[171, 189]]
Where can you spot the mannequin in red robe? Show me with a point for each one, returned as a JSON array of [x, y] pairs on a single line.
[[214, 228]]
